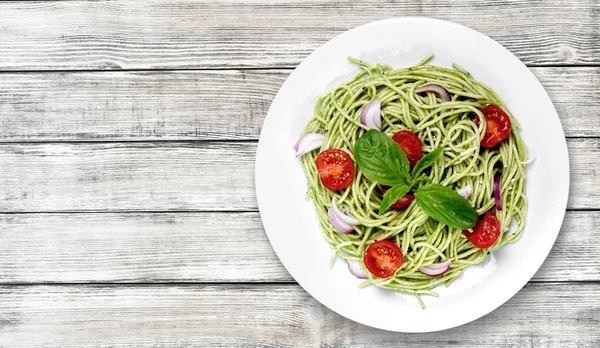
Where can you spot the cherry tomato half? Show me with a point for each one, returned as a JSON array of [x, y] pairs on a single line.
[[486, 232], [336, 169], [383, 258], [410, 143], [498, 125], [402, 203]]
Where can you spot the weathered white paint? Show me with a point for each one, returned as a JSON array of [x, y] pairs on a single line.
[[201, 247], [130, 34], [175, 176], [108, 197], [277, 315], [201, 105]]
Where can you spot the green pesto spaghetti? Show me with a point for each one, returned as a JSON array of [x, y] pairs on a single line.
[[414, 244]]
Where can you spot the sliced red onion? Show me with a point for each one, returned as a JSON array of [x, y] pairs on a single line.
[[488, 261], [308, 143], [349, 220], [355, 269], [436, 269], [338, 224], [437, 89], [370, 115], [466, 191], [497, 195]]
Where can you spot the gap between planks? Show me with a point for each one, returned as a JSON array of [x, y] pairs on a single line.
[[199, 211], [179, 283], [174, 141], [230, 284], [287, 68]]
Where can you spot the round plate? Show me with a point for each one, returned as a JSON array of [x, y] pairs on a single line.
[[291, 221]]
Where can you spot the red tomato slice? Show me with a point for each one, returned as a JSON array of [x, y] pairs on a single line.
[[383, 258], [410, 143], [486, 232], [498, 125], [402, 203], [336, 169]]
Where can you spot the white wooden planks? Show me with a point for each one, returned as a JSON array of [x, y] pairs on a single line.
[[169, 34], [200, 105], [179, 211], [127, 176], [173, 176], [540, 315], [202, 247]]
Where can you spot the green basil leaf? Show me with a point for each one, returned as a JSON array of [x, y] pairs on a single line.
[[381, 159], [446, 206], [392, 195], [427, 161]]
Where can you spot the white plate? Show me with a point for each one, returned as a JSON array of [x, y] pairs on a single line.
[[291, 222]]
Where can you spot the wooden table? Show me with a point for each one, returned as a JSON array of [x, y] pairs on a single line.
[[128, 132]]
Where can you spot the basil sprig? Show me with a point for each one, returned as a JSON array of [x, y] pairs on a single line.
[[381, 160]]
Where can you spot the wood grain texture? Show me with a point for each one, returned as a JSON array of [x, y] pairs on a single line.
[[162, 34], [540, 315], [127, 176], [74, 211], [202, 247], [183, 105], [196, 176], [201, 105]]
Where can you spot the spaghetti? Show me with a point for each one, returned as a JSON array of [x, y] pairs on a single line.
[[447, 124]]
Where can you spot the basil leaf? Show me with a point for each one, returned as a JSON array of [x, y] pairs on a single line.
[[446, 206], [392, 195], [381, 159], [427, 161]]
